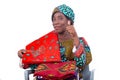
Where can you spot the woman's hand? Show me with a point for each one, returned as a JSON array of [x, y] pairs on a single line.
[[21, 52], [73, 33]]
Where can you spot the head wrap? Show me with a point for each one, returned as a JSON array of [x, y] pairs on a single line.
[[66, 10]]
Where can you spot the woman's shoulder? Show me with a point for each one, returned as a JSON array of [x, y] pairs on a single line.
[[83, 40]]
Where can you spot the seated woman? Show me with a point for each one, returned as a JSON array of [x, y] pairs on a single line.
[[63, 22]]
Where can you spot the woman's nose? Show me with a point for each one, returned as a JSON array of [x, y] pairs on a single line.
[[55, 22]]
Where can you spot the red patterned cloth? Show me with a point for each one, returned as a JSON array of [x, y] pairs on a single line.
[[55, 71], [44, 49]]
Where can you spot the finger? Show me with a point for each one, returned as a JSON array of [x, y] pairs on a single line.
[[20, 55], [70, 29], [23, 51]]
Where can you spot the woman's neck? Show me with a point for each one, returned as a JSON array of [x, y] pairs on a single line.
[[64, 36]]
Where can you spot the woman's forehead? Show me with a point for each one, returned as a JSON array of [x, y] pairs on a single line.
[[58, 14]]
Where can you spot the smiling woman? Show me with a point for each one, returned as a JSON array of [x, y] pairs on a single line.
[[63, 61], [59, 21], [22, 21]]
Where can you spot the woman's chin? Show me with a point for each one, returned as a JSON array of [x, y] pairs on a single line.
[[58, 31]]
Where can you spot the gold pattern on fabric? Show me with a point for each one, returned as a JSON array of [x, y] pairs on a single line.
[[88, 58], [68, 44], [68, 67], [41, 67], [55, 10]]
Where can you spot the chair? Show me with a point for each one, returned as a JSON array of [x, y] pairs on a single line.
[[92, 74], [27, 73], [87, 74]]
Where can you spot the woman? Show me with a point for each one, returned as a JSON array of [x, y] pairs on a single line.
[[63, 20]]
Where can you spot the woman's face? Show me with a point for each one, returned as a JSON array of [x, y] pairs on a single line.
[[59, 22]]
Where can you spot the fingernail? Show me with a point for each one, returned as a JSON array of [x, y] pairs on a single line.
[[68, 22]]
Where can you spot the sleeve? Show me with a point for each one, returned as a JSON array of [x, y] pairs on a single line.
[[83, 53]]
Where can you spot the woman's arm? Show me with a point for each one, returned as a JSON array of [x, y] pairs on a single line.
[[83, 54]]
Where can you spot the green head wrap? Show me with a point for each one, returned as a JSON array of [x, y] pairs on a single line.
[[66, 10]]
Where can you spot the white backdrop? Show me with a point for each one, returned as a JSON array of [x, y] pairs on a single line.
[[22, 21]]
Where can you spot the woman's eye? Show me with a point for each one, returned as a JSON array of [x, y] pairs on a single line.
[[60, 18], [54, 19]]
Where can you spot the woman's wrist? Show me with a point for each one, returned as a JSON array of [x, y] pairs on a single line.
[[76, 41]]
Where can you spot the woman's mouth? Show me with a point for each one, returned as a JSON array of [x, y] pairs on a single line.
[[57, 27]]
